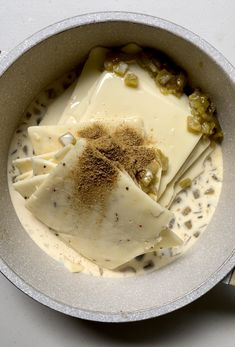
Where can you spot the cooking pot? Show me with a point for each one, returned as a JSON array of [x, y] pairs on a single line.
[[24, 72]]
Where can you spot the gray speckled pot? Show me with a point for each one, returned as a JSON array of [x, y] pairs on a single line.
[[29, 68]]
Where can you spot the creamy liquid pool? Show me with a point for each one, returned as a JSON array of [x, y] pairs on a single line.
[[193, 208]]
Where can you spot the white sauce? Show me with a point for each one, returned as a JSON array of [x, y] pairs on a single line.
[[189, 226]]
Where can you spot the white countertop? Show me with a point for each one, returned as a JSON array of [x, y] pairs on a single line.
[[209, 321]]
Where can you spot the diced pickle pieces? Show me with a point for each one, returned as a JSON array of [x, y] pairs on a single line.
[[209, 191], [186, 183], [208, 128], [121, 68], [147, 179], [147, 63], [163, 160], [153, 196], [188, 224], [203, 119], [181, 82], [171, 83], [186, 211], [108, 65], [171, 80], [154, 167], [164, 77], [193, 125], [206, 116], [67, 139], [218, 136], [131, 80]]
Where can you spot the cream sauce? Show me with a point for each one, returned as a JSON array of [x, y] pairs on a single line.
[[193, 208]]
